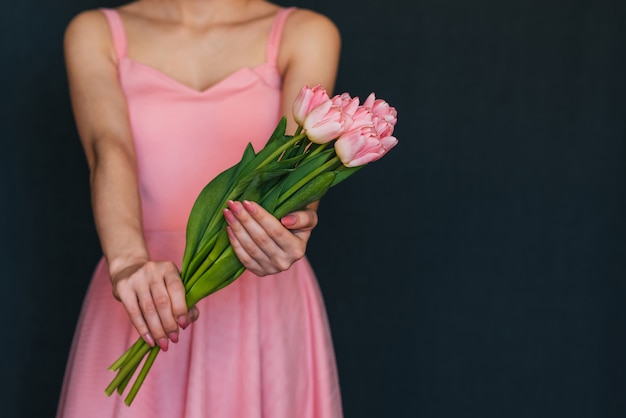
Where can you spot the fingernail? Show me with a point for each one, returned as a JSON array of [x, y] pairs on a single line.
[[182, 321], [148, 338], [289, 220], [234, 206], [163, 343], [249, 206], [173, 336], [230, 218]]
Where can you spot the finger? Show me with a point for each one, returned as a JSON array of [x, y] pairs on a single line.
[[131, 304], [236, 231], [163, 305], [148, 306], [283, 246], [267, 232], [248, 262], [286, 245], [176, 292], [263, 239], [193, 314], [253, 236], [300, 220]]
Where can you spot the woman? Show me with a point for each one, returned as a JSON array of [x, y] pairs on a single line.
[[166, 94]]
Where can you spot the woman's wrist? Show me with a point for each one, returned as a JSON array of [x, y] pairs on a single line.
[[118, 265]]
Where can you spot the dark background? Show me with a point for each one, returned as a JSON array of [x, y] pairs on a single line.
[[478, 270]]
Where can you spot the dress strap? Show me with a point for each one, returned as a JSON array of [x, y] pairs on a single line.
[[276, 32], [117, 31]]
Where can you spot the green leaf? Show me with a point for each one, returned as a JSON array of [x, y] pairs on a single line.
[[238, 273], [279, 132], [307, 167], [270, 200], [308, 193], [299, 148], [214, 278], [206, 214], [207, 206], [189, 268], [277, 140], [202, 262]]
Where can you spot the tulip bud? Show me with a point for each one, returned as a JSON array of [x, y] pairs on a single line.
[[381, 109], [347, 104], [361, 118], [324, 123], [388, 142], [359, 146], [307, 100]]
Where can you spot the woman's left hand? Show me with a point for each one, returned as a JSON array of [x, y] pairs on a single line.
[[264, 244]]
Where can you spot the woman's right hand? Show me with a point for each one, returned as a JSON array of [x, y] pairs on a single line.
[[153, 295]]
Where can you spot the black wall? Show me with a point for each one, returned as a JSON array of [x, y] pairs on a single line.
[[478, 270]]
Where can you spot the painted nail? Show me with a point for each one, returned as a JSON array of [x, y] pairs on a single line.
[[230, 218], [289, 220], [173, 336], [182, 321], [234, 206], [163, 344], [148, 338], [250, 207]]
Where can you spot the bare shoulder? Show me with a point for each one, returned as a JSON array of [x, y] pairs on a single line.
[[307, 35], [306, 24], [87, 30], [86, 23]]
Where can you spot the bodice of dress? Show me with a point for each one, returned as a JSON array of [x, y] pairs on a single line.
[[184, 137]]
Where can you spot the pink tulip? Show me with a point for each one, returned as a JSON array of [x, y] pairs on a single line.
[[383, 128], [347, 104], [381, 109], [324, 123], [307, 100], [361, 118], [388, 142], [384, 118], [359, 147]]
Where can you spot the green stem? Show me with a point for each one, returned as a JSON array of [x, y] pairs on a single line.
[[219, 273], [197, 258], [281, 149], [327, 166], [142, 375], [120, 361], [232, 279], [122, 386], [221, 243], [319, 148], [129, 367]]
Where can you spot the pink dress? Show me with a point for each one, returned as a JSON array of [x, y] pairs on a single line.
[[262, 346]]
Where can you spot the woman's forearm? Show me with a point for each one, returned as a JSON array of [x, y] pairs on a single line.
[[117, 208]]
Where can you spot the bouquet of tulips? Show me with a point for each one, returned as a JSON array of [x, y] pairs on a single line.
[[290, 172]]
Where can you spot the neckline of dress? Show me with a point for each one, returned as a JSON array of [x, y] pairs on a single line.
[[177, 83]]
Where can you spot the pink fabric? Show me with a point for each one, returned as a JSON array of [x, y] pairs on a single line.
[[262, 346]]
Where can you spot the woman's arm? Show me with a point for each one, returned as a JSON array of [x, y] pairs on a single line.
[[309, 55], [151, 292]]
